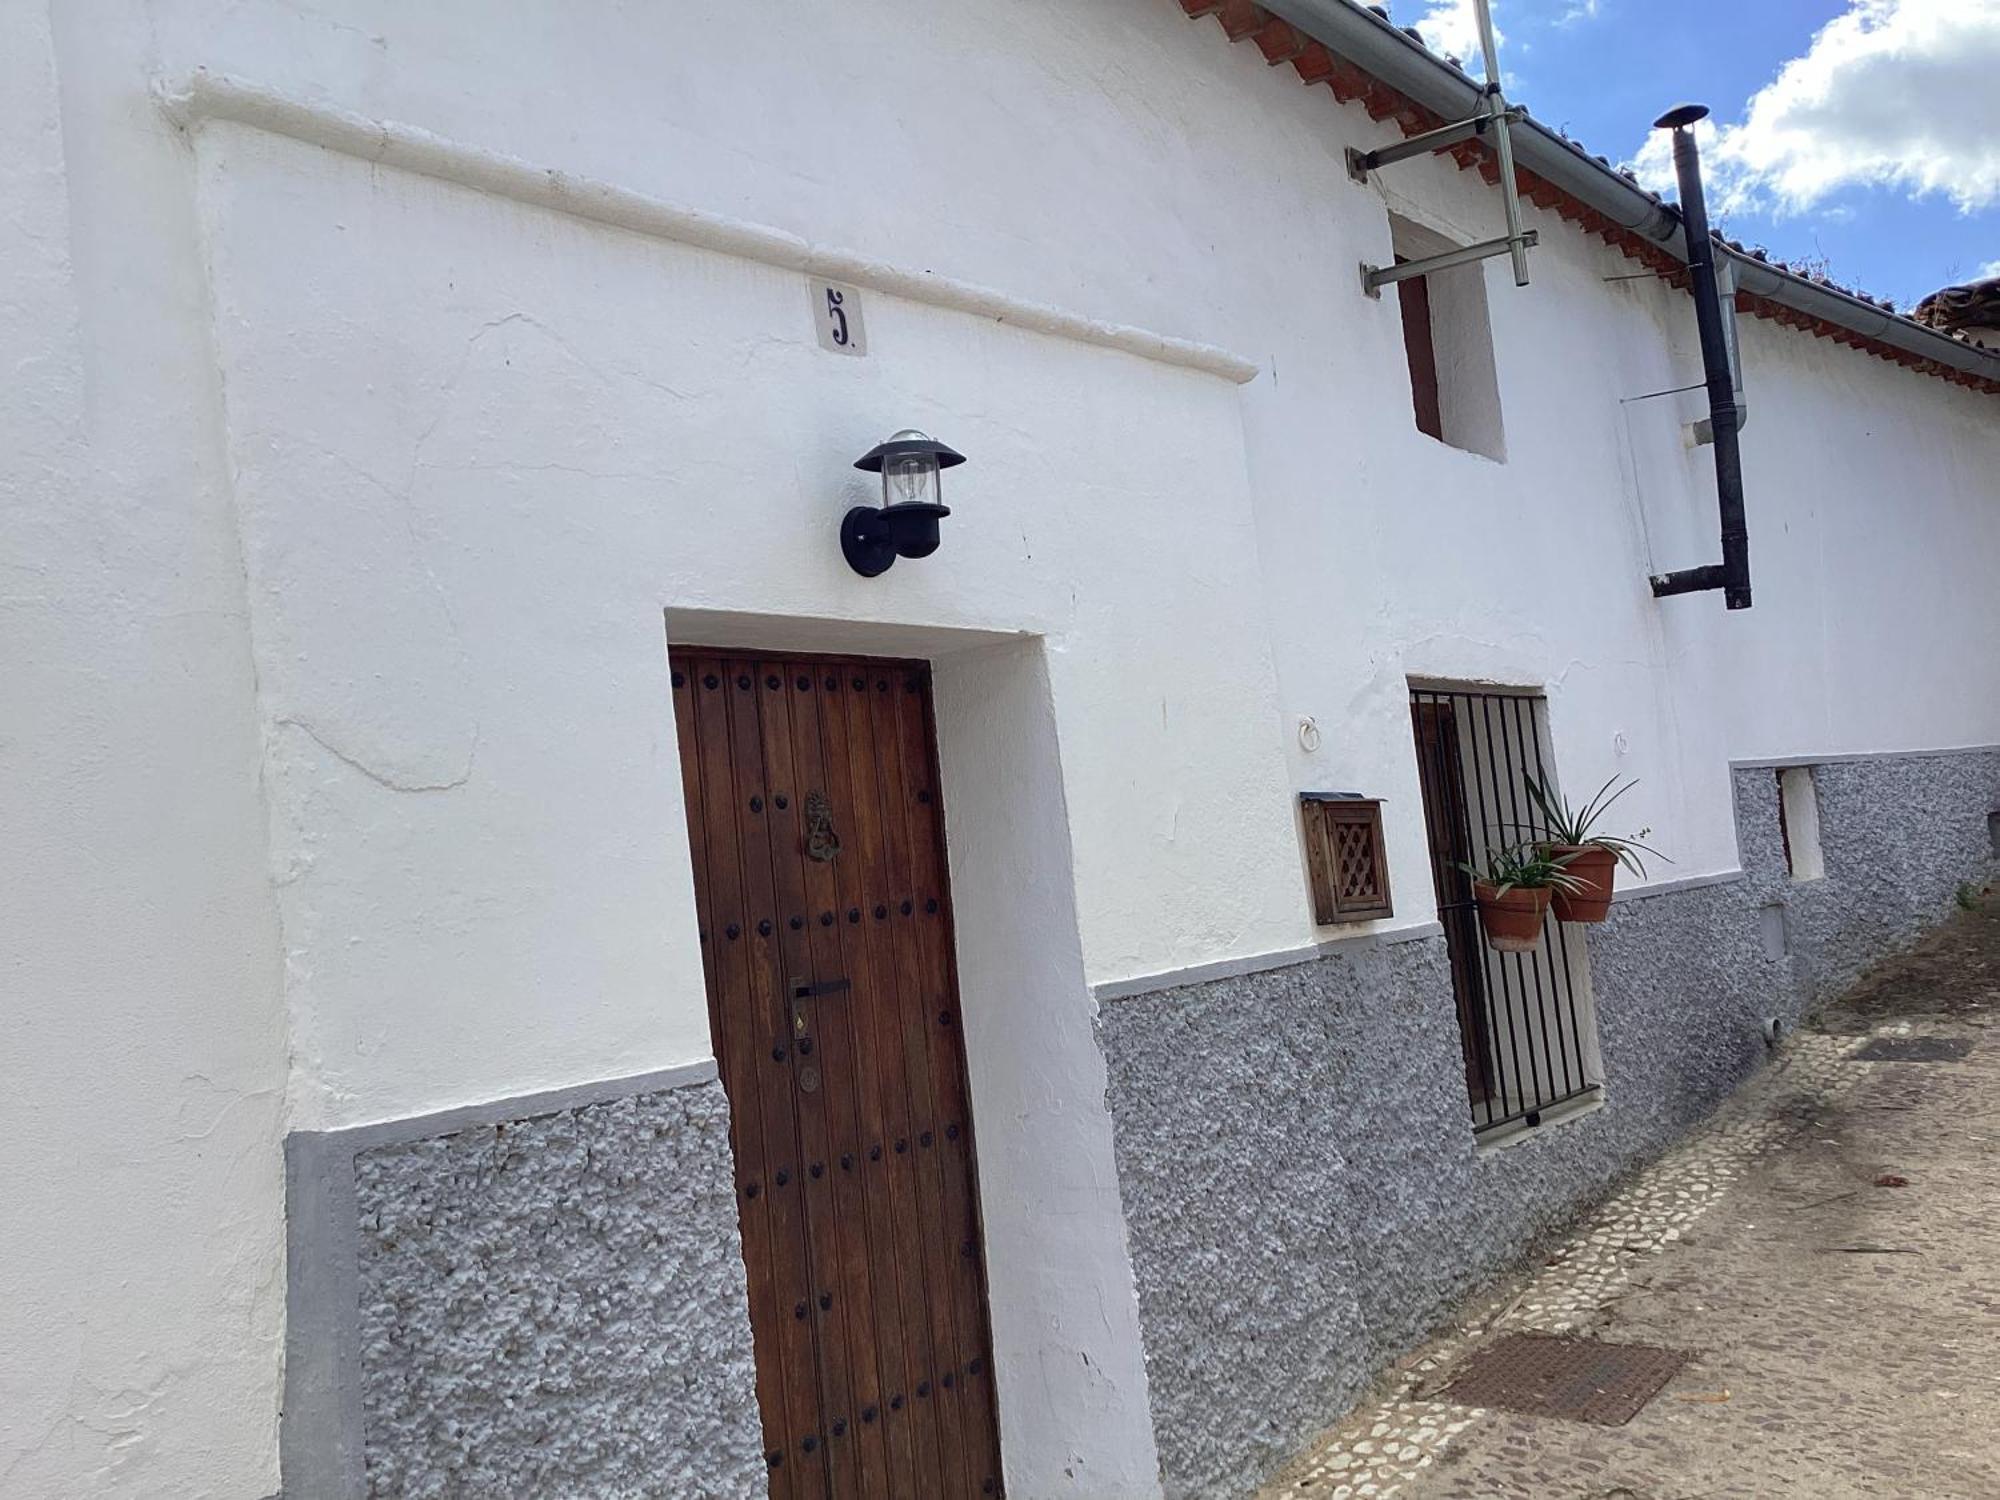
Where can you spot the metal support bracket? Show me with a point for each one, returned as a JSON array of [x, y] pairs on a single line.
[[1361, 163], [1374, 278], [1689, 580], [1494, 120]]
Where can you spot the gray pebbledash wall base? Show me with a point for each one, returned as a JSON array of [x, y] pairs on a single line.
[[557, 1306], [552, 1305], [1302, 1193]]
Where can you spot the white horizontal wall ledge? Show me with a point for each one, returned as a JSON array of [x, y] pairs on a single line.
[[1260, 963], [208, 96], [396, 1132], [1674, 887], [1782, 762]]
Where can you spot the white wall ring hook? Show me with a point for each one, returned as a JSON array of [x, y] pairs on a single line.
[[1309, 735]]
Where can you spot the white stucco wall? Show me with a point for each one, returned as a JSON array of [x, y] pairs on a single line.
[[469, 490], [142, 1052], [354, 500]]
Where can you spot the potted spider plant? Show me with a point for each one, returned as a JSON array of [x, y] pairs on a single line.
[[1591, 858], [1513, 893]]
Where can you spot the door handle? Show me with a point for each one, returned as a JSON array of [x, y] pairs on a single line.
[[805, 990]]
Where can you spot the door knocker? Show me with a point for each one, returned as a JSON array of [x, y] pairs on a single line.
[[822, 843]]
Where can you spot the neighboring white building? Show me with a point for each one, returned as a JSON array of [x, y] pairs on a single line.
[[393, 386]]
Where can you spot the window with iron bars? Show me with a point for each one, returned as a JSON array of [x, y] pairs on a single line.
[[1526, 1029]]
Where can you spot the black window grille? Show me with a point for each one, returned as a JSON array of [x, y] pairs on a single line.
[[1523, 1018]]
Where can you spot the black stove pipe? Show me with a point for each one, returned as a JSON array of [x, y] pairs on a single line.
[[1732, 575]]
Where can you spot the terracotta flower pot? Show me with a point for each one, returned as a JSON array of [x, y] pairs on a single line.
[[1513, 919], [1594, 868]]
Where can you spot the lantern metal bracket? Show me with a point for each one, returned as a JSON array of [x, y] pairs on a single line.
[[872, 537]]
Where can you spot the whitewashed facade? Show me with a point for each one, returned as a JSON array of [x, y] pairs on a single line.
[[391, 386]]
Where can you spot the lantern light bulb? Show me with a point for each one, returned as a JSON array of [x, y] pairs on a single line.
[[910, 478]]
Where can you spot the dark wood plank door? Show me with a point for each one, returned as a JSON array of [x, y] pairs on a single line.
[[817, 835], [1447, 827]]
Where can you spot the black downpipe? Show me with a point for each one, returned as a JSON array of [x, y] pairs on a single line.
[[1732, 576]]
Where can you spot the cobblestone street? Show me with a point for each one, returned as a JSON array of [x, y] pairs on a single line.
[[1822, 1251]]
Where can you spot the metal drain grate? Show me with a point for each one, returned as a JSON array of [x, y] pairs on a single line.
[[1914, 1049], [1578, 1380]]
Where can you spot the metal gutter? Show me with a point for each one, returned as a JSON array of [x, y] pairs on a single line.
[[1383, 51], [1761, 279]]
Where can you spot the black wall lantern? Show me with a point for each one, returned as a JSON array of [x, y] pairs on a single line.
[[906, 522]]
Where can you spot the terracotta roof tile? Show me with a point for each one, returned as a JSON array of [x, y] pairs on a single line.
[[1974, 304]]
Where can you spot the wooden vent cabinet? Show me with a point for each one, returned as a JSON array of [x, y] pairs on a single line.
[[1345, 857]]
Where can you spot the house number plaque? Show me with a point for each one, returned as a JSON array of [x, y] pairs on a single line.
[[837, 317]]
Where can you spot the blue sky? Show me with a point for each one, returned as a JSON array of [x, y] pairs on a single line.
[[1861, 137]]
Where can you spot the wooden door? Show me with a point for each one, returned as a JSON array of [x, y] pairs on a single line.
[[1447, 827], [817, 835]]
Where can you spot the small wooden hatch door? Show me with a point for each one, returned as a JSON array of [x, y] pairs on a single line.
[[817, 837]]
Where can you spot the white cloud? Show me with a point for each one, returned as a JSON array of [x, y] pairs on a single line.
[[1452, 27], [1902, 94], [1988, 271]]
